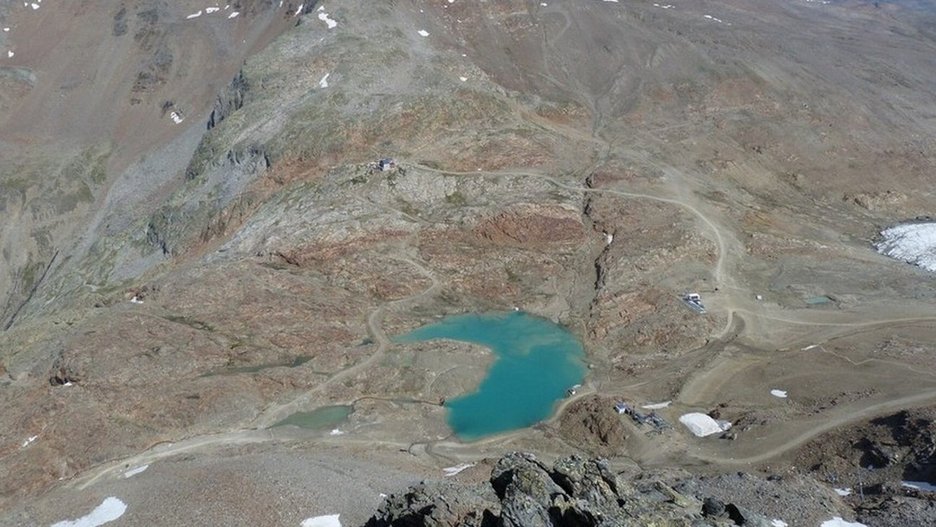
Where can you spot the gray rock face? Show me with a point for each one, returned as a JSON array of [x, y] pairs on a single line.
[[575, 492], [439, 504], [231, 100], [899, 510]]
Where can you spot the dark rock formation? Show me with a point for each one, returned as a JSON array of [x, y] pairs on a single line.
[[712, 507], [575, 492], [231, 100]]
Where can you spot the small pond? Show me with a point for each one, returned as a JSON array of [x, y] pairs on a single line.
[[818, 300], [536, 363], [323, 418]]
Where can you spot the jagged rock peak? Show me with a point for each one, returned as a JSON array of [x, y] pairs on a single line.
[[574, 492]]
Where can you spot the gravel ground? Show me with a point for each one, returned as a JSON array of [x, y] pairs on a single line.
[[270, 485]]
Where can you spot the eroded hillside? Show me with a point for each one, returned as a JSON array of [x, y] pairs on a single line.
[[180, 287]]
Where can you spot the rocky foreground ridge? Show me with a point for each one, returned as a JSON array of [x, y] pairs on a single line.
[[589, 492], [576, 491]]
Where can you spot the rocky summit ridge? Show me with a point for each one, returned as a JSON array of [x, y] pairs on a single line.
[[573, 492]]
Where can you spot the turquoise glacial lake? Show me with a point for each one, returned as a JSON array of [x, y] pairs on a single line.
[[536, 362]]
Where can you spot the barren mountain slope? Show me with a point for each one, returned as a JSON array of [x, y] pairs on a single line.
[[173, 289], [87, 130]]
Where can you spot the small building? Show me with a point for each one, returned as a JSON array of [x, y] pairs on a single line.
[[386, 164], [694, 301], [622, 408]]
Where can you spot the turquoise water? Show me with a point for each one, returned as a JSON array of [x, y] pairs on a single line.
[[818, 300], [319, 419], [536, 362]]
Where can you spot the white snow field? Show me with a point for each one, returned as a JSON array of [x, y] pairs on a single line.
[[134, 471], [919, 485], [914, 243], [837, 521], [330, 520], [109, 510], [451, 471]]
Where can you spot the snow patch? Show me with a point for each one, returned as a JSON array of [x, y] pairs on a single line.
[[10, 54], [843, 492], [330, 520], [134, 471], [109, 510], [668, 6], [451, 471], [423, 33], [299, 10], [29, 441], [234, 14], [336, 432], [777, 523], [328, 21], [700, 425], [194, 15], [837, 521], [209, 10], [657, 406], [914, 243], [919, 485], [779, 393], [324, 82]]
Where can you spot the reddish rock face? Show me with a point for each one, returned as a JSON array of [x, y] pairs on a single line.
[[594, 425], [532, 226]]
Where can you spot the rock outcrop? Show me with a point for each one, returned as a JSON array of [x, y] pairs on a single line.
[[579, 492], [594, 426]]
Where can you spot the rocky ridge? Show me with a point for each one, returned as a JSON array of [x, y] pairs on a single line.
[[575, 491]]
